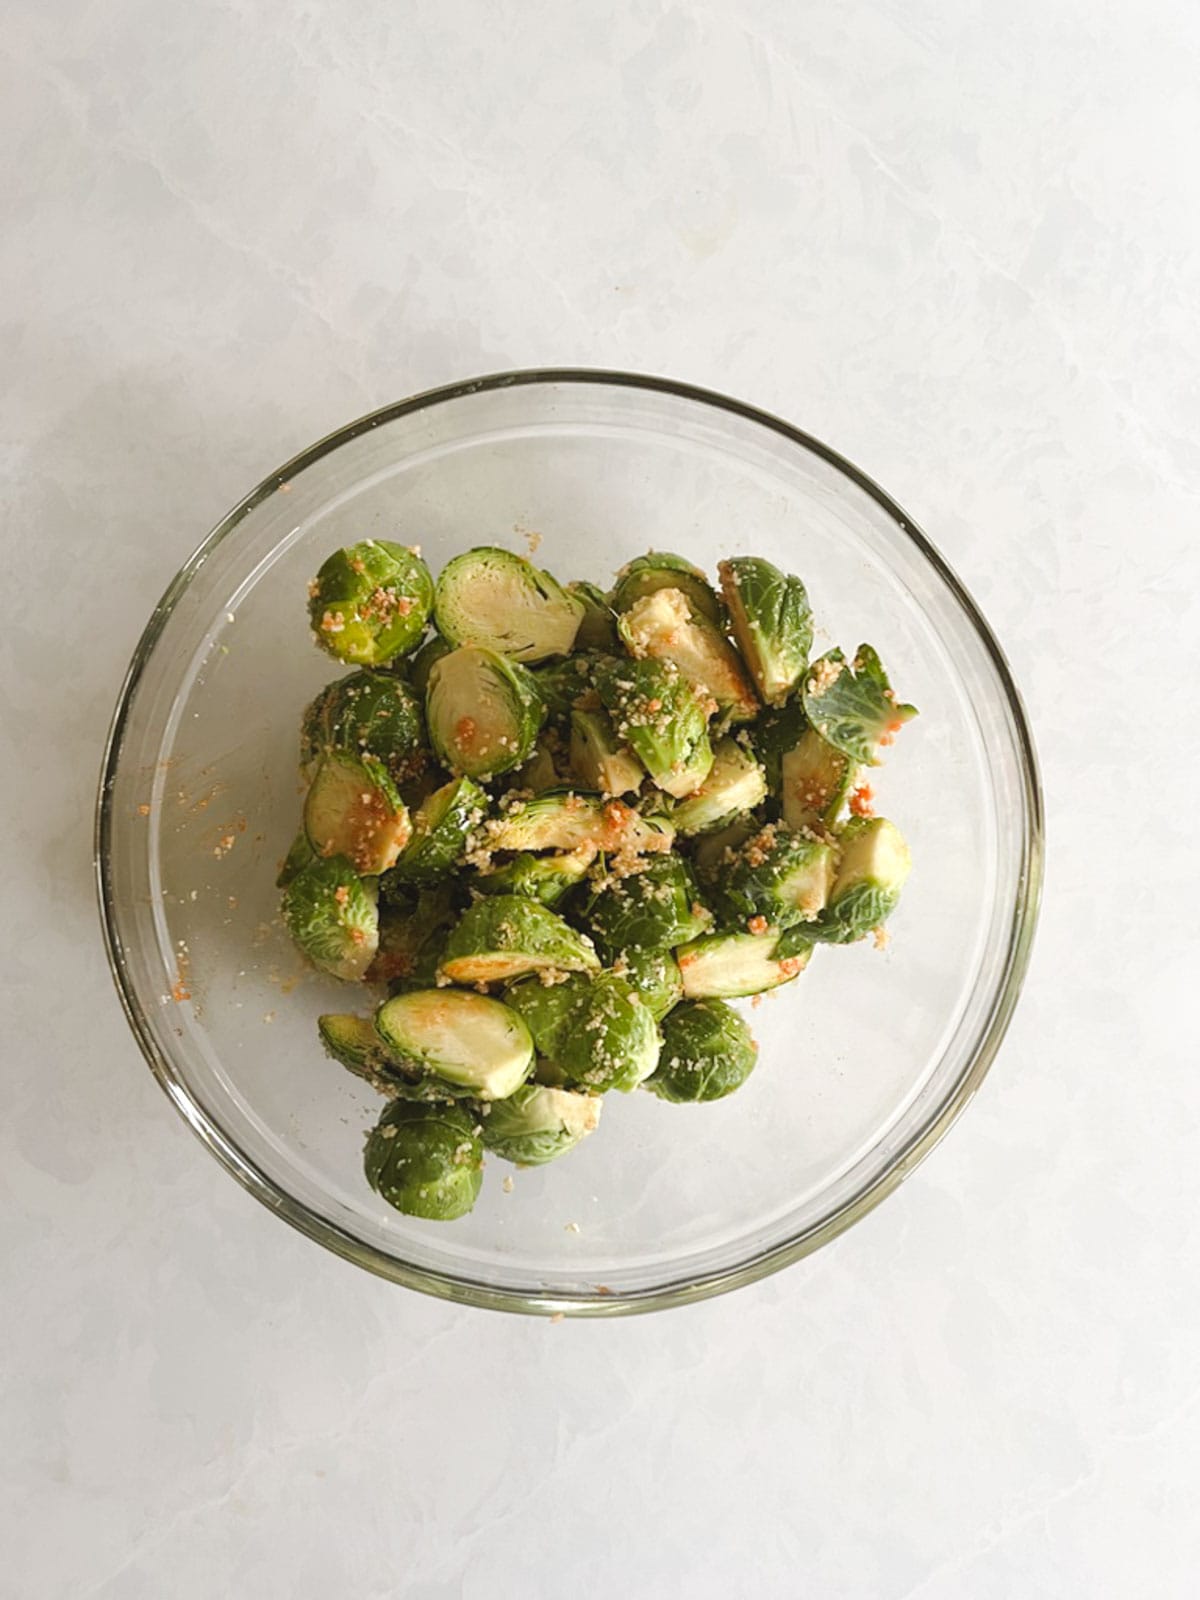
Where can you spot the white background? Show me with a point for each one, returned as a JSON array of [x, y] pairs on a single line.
[[959, 240]]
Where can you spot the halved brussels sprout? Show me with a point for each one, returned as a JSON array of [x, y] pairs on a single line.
[[483, 712], [468, 1040], [735, 783], [426, 1160], [661, 570], [707, 1053], [538, 1124], [547, 1009], [413, 928], [655, 975], [367, 713], [506, 935], [777, 878], [654, 908], [563, 819], [421, 665], [851, 704], [331, 915], [370, 602], [771, 621], [731, 965], [355, 1043], [611, 1040], [662, 626], [440, 830], [300, 855], [599, 759], [712, 852], [874, 867], [496, 599], [815, 780], [353, 809], [566, 684], [544, 878], [656, 710], [598, 629]]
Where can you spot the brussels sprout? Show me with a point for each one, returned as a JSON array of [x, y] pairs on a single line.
[[539, 773], [771, 621], [777, 878], [421, 665], [611, 1039], [712, 853], [367, 713], [655, 976], [653, 908], [774, 732], [814, 781], [300, 855], [547, 1009], [662, 626], [544, 878], [413, 929], [730, 965], [426, 1161], [657, 712], [505, 935], [353, 809], [539, 1124], [707, 1053], [851, 704], [566, 684], [331, 915], [735, 783], [493, 598], [563, 819], [467, 1040], [483, 711], [598, 629], [440, 831], [661, 570], [355, 1043], [599, 759], [874, 866], [370, 602]]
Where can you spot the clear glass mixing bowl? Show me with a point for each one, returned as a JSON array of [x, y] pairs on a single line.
[[865, 1061]]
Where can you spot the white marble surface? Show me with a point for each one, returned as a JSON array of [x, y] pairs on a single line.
[[958, 240]]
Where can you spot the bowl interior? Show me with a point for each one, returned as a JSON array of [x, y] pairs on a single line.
[[862, 1060]]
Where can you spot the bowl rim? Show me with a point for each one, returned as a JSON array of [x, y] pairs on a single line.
[[464, 1290]]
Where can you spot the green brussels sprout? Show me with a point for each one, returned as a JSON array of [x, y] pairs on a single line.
[[353, 809], [538, 1124], [355, 1043], [367, 713], [774, 732], [656, 711], [598, 629], [567, 684], [544, 878], [426, 1160], [598, 758], [874, 866], [654, 908], [539, 773], [655, 975], [493, 598], [564, 819], [370, 602], [421, 665], [771, 621], [331, 914], [503, 936], [814, 782], [707, 1053], [414, 924], [661, 570], [662, 626], [731, 965], [300, 855], [851, 704], [712, 852], [735, 783], [611, 1039], [777, 878], [547, 1008], [441, 829], [468, 1041], [483, 711]]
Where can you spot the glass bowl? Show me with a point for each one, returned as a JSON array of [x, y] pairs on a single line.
[[865, 1061]]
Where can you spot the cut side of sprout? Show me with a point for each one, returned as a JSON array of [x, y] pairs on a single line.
[[735, 783], [663, 626], [354, 810], [494, 598], [469, 1040], [730, 966], [483, 712]]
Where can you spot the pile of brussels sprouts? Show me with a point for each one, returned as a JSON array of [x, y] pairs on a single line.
[[562, 830]]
